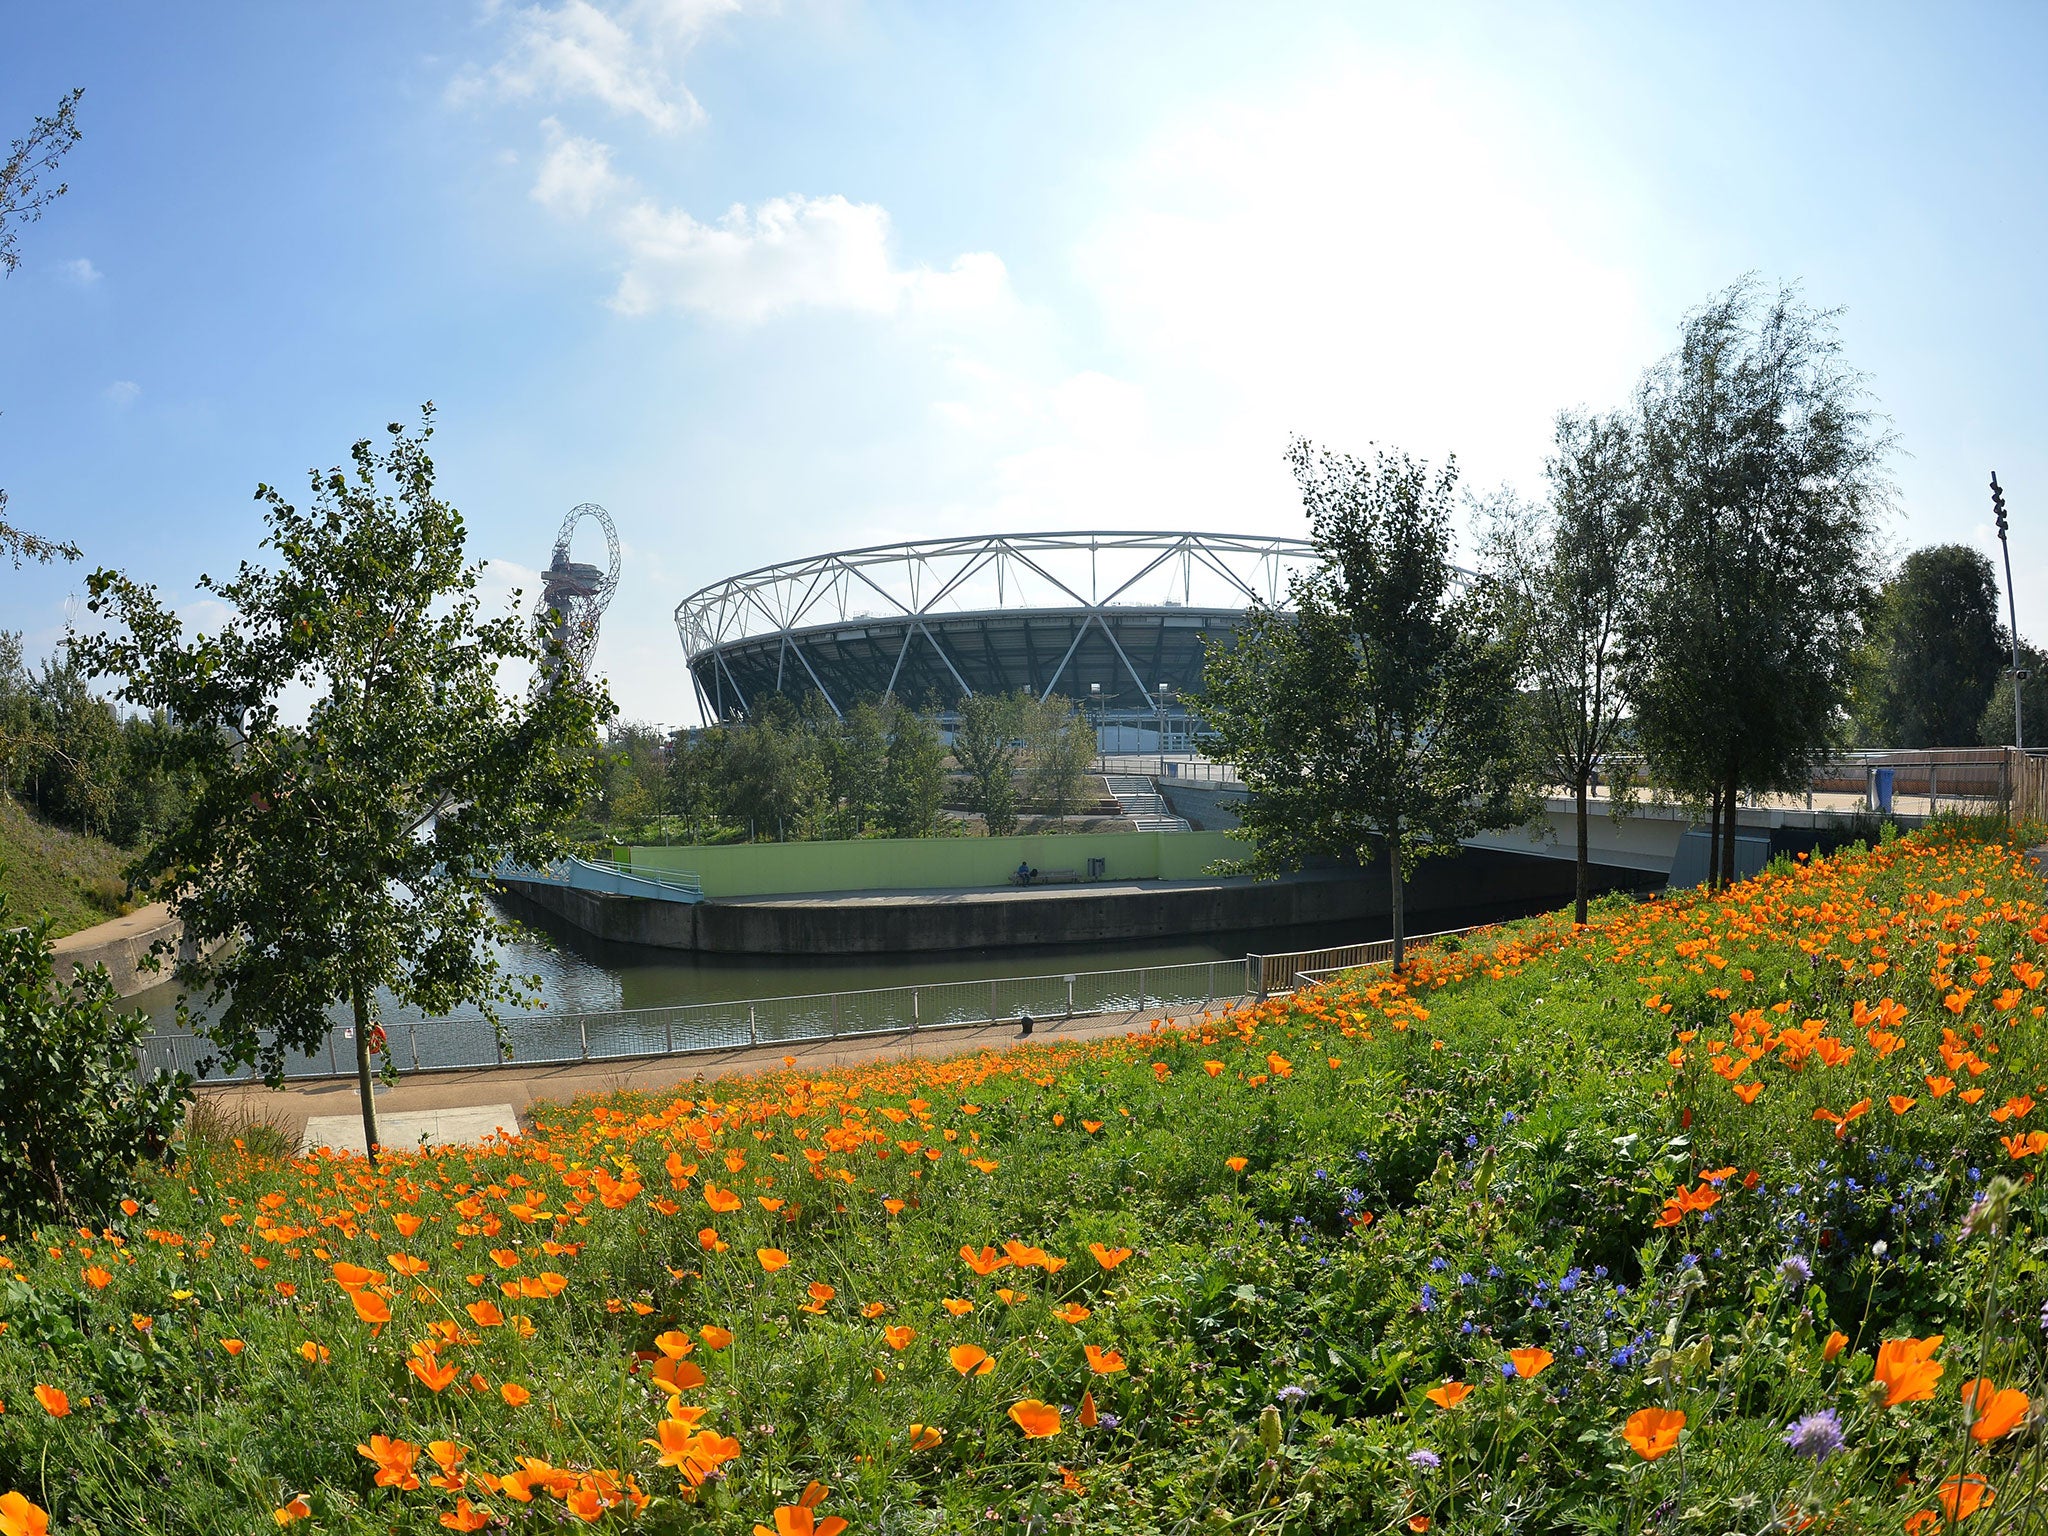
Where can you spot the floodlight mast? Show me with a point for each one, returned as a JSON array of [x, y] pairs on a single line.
[[574, 596], [2019, 673]]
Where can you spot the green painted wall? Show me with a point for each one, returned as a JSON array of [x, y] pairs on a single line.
[[936, 863]]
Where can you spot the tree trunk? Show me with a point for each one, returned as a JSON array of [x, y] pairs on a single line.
[[1584, 887], [1728, 842], [1394, 875], [1713, 881], [360, 998]]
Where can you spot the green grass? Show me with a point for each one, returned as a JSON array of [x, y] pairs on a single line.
[[1532, 1143], [73, 878]]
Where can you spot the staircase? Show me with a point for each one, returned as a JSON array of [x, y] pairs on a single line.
[[1142, 804]]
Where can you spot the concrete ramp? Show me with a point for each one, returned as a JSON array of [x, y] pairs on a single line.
[[405, 1130]]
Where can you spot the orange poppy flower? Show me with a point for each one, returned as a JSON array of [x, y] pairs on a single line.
[[515, 1395], [1747, 1092], [436, 1377], [1651, 1432], [971, 1359], [99, 1279], [1908, 1370], [314, 1354], [1213, 1068], [352, 1277], [723, 1201], [406, 1264], [899, 1338], [1834, 1346], [1531, 1363], [371, 1308], [54, 1401], [1235, 1164], [1900, 1103], [292, 1510], [485, 1314], [1962, 1497], [1103, 1362], [1072, 1312], [714, 1337], [986, 1262], [1993, 1413], [1089, 1417], [1108, 1258], [1039, 1421], [407, 1223], [233, 1346], [772, 1259], [924, 1437], [1449, 1395], [394, 1460], [465, 1516], [957, 1306]]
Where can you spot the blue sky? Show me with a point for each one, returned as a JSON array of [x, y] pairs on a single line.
[[767, 280]]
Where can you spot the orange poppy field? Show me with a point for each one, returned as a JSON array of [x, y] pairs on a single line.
[[1716, 1215]]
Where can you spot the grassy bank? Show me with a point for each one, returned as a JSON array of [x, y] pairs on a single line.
[[1560, 1232], [76, 879]]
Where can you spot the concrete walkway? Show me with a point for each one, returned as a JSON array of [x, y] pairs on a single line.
[[453, 1107]]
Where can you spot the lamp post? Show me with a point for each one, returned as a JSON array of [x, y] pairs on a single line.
[[2019, 673]]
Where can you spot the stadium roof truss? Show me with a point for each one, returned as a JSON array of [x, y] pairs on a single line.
[[934, 616]]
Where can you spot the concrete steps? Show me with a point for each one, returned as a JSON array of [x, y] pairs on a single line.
[[1142, 803]]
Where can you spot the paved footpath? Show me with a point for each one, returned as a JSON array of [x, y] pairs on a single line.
[[446, 1108]]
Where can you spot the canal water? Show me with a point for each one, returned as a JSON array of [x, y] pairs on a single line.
[[581, 978]]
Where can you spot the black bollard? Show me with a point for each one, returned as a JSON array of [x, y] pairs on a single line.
[[1024, 1021]]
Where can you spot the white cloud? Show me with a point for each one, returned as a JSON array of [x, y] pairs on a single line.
[[1359, 258], [627, 56], [81, 272], [790, 253], [576, 176], [122, 391]]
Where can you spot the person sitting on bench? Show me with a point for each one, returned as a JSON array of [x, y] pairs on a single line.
[[1024, 871]]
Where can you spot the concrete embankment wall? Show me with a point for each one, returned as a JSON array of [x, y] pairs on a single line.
[[934, 863], [120, 946], [852, 925]]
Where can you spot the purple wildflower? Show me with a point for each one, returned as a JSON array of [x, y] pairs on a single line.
[[1817, 1436]]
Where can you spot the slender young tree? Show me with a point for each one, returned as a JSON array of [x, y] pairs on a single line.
[[984, 746], [1377, 718], [349, 857], [1566, 574], [914, 777], [1062, 748], [1765, 480]]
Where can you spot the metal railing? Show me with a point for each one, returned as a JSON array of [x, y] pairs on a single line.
[[582, 875], [553, 1039], [1275, 975], [1186, 770]]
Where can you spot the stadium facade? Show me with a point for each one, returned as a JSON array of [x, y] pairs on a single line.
[[1119, 622]]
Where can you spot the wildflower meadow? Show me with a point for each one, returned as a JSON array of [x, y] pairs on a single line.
[[1717, 1215]]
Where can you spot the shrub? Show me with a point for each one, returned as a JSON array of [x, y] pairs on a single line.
[[76, 1118]]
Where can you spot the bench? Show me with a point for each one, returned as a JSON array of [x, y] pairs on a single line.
[[1049, 877]]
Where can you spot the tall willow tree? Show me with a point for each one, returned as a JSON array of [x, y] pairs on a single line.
[[329, 861], [1377, 717], [1764, 479]]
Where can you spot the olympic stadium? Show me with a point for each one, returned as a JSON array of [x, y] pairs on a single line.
[[1116, 621]]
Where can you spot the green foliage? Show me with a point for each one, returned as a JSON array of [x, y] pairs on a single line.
[[76, 760], [1995, 726], [1563, 577], [1933, 653], [1380, 714], [1060, 747], [319, 863], [47, 872], [1764, 478], [985, 746], [76, 1118], [1482, 1156]]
